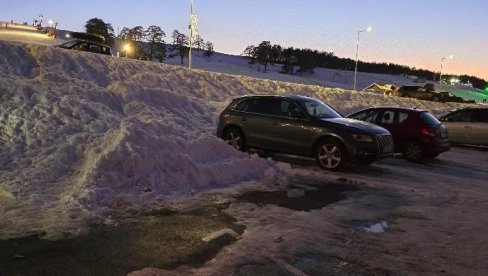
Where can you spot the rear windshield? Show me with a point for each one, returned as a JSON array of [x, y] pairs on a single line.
[[429, 119]]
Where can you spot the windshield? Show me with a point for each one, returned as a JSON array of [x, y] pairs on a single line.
[[318, 109], [68, 45]]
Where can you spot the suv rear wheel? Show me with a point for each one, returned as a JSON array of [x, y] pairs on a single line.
[[235, 139], [330, 154], [413, 151]]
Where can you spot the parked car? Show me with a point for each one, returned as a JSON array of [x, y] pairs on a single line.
[[302, 126], [87, 43], [467, 125], [449, 97], [416, 133], [417, 92]]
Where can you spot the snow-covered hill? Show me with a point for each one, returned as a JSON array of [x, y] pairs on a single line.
[[82, 133]]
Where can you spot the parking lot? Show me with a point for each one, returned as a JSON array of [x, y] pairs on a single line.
[[394, 217]]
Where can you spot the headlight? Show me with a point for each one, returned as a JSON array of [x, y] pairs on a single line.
[[362, 138]]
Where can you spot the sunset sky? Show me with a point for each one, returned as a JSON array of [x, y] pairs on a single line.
[[417, 33]]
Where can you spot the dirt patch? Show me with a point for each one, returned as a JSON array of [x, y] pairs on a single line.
[[162, 239], [313, 198]]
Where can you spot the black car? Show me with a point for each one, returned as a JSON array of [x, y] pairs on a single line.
[[87, 43], [302, 126]]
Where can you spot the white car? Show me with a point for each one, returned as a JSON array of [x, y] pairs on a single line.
[[467, 125]]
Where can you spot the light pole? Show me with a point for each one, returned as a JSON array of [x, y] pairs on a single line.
[[127, 49], [193, 26], [440, 73], [368, 30]]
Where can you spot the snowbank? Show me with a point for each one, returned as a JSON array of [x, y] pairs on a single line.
[[82, 133]]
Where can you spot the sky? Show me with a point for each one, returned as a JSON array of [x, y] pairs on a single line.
[[417, 33]]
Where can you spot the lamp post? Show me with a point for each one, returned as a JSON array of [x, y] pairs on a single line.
[[193, 26], [442, 63], [368, 30], [127, 49]]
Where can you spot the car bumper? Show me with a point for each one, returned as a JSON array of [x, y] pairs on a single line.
[[370, 152], [438, 147]]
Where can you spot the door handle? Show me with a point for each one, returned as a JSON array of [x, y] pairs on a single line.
[[467, 127], [243, 119], [275, 123]]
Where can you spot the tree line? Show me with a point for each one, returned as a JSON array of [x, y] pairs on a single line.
[[300, 61], [149, 43]]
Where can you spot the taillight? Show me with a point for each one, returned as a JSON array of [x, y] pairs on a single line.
[[428, 131]]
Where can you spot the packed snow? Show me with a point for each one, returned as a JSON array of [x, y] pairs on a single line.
[[82, 134]]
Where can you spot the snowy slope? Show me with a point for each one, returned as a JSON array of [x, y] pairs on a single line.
[[238, 65], [81, 134]]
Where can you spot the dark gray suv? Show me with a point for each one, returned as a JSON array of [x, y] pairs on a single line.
[[302, 126]]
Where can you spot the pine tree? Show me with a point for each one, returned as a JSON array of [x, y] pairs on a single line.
[[209, 49], [99, 27], [155, 38]]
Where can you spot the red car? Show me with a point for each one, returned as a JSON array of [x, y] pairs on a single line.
[[416, 133]]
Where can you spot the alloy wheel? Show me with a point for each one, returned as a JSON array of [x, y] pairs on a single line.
[[330, 156]]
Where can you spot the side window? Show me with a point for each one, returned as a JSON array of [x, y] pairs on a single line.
[[95, 49], [242, 106], [388, 118], [367, 116], [263, 106], [81, 46], [466, 116], [289, 109], [106, 51], [402, 117], [480, 116]]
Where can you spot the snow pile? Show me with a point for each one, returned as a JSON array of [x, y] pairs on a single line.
[[82, 133]]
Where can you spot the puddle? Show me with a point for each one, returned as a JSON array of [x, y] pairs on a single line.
[[300, 200], [380, 227], [165, 239], [368, 226]]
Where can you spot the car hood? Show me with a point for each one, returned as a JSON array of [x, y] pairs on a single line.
[[360, 126]]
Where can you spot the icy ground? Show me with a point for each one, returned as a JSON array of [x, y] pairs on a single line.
[[83, 134]]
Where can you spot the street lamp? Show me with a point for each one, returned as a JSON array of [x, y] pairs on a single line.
[[368, 30], [193, 27], [127, 49], [442, 63]]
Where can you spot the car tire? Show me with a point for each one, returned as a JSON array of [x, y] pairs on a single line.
[[413, 151], [435, 99], [405, 96], [330, 154], [235, 138]]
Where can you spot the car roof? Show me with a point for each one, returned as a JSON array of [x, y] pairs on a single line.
[[395, 108], [88, 41], [294, 97], [469, 108]]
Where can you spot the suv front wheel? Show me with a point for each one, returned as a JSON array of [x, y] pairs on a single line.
[[330, 154]]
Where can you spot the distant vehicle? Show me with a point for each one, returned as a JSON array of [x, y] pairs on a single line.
[[87, 43], [417, 92], [449, 97], [467, 125], [416, 134], [302, 126]]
